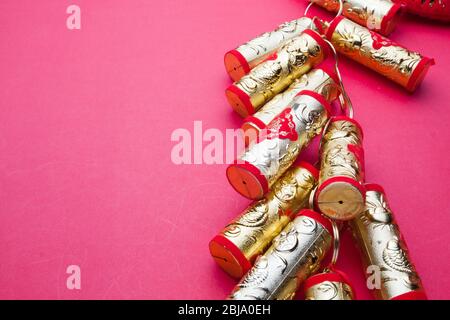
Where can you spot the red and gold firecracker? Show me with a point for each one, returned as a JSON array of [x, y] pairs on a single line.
[[296, 253], [248, 236], [340, 194], [322, 79], [377, 15], [405, 67], [292, 60], [239, 61], [331, 285], [382, 245], [257, 169]]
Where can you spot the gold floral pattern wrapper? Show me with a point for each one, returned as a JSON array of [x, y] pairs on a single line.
[[296, 253], [239, 61], [322, 79], [256, 170], [292, 60], [340, 194], [248, 236], [332, 285], [405, 67], [381, 244], [377, 15]]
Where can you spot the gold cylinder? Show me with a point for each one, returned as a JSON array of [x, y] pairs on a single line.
[[340, 194], [260, 165], [332, 285], [239, 61], [245, 238], [296, 253], [383, 247], [405, 67], [293, 59], [322, 80], [378, 15]]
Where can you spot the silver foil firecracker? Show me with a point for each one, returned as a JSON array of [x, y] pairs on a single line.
[[340, 194], [248, 236], [382, 245], [239, 61], [377, 15], [296, 253], [405, 67], [331, 285], [274, 75], [322, 79], [257, 169]]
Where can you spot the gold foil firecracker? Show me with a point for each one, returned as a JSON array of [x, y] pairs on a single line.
[[340, 194], [257, 169], [240, 61], [382, 245], [332, 285], [296, 253], [292, 60], [377, 15], [322, 79], [405, 67], [248, 236]]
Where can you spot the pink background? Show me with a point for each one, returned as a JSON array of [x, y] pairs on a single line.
[[85, 123]]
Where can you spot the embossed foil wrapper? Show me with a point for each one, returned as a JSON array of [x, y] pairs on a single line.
[[292, 60], [257, 169], [239, 61], [340, 194], [250, 234], [381, 244], [377, 15], [331, 285], [296, 253], [405, 67], [322, 79]]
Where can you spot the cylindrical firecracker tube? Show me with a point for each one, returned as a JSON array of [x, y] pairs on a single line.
[[382, 245], [296, 253], [431, 9], [292, 60], [377, 15], [331, 285], [321, 79], [257, 169], [340, 194], [248, 236], [405, 67], [239, 61]]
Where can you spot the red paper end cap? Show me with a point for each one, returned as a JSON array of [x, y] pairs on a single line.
[[247, 180], [234, 251], [348, 180], [374, 187], [419, 74], [308, 166], [390, 20], [236, 65], [325, 222], [412, 295], [239, 101]]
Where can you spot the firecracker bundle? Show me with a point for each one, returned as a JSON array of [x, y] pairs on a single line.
[[288, 88]]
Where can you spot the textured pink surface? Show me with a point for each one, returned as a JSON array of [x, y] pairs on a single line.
[[85, 123]]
